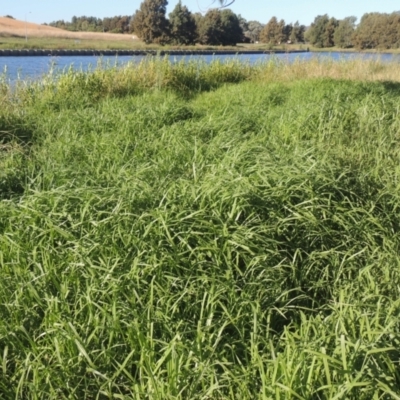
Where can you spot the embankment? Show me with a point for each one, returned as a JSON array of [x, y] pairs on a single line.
[[88, 52]]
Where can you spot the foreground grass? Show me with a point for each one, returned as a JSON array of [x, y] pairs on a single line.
[[201, 232]]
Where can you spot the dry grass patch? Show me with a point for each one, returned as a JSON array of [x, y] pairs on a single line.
[[357, 70], [12, 27]]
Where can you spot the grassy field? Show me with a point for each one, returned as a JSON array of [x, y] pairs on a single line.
[[100, 41], [15, 34], [193, 231], [57, 43]]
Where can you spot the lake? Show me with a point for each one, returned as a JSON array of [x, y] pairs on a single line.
[[34, 67]]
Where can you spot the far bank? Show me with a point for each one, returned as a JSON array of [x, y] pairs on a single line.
[[91, 52]]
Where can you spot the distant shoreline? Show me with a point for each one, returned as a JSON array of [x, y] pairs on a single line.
[[88, 52]]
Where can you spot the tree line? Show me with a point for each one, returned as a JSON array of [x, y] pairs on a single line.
[[221, 26], [375, 31], [117, 24]]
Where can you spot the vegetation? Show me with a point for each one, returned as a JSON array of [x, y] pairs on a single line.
[[150, 23], [252, 30], [80, 42], [18, 34], [343, 35], [374, 31], [190, 231], [322, 31], [182, 25], [297, 33], [117, 24], [377, 30], [219, 28], [273, 31], [106, 43]]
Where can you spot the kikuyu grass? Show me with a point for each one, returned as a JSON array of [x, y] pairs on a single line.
[[224, 241]]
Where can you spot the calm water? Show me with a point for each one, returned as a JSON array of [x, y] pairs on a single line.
[[34, 67]]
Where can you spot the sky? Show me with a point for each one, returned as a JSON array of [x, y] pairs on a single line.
[[304, 11]]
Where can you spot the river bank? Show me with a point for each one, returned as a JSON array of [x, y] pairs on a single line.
[[91, 52]]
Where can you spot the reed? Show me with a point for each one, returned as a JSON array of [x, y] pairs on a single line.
[[188, 77], [193, 231]]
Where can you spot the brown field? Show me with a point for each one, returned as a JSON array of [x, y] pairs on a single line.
[[15, 28]]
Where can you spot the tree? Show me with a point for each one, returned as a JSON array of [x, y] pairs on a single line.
[[377, 30], [245, 27], [182, 25], [286, 32], [254, 30], [321, 31], [198, 18], [344, 32], [232, 32], [149, 22], [365, 36], [330, 32], [220, 28], [209, 28], [272, 33], [117, 24], [297, 34]]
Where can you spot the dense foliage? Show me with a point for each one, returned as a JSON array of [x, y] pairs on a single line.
[[377, 30], [170, 231], [343, 36], [117, 24], [374, 31], [150, 23], [322, 30], [273, 31], [182, 25], [219, 26], [252, 30]]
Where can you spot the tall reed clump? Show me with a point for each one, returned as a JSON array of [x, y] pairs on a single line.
[[185, 77], [323, 67], [169, 243]]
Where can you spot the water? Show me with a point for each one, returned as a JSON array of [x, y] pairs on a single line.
[[34, 67]]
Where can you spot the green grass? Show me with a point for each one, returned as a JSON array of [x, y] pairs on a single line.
[[205, 233], [57, 43], [10, 43], [49, 42]]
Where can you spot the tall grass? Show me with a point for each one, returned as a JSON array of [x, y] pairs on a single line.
[[186, 77], [172, 231]]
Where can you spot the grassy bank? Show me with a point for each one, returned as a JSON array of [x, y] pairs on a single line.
[[99, 41], [201, 232], [78, 43]]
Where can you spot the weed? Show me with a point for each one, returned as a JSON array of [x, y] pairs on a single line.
[[191, 231]]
